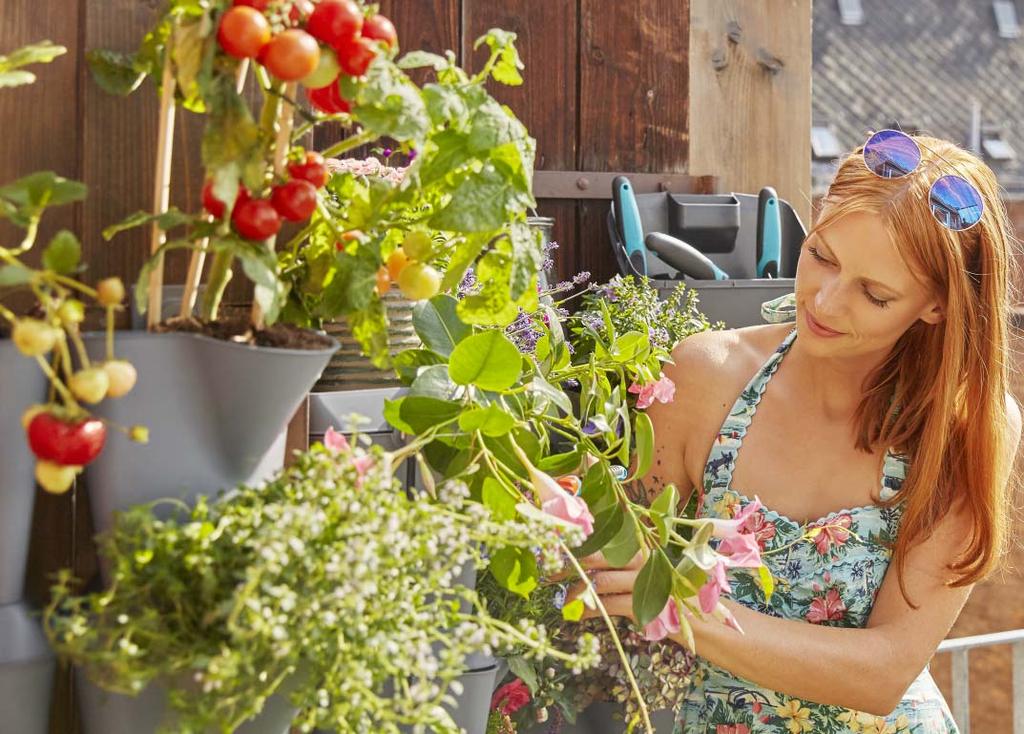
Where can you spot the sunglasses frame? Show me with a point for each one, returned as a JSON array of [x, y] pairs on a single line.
[[931, 189]]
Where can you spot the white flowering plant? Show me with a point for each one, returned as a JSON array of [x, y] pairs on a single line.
[[330, 585]]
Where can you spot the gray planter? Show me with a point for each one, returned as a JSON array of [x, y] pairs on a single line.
[[216, 413], [110, 713], [26, 672], [22, 385]]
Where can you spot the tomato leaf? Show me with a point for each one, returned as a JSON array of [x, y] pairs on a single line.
[[63, 254]]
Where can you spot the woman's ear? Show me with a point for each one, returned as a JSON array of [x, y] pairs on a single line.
[[934, 315]]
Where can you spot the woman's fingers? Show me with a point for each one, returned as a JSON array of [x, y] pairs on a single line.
[[617, 605], [598, 561], [606, 582]]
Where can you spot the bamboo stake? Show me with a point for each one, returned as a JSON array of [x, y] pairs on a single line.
[[285, 119], [198, 259], [161, 186]]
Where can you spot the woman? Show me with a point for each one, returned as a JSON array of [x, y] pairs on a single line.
[[885, 439]]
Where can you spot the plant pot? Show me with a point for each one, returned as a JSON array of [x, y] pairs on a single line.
[[22, 385], [26, 672], [349, 369], [216, 413], [111, 713]]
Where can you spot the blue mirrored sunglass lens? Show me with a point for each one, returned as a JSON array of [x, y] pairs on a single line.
[[891, 154], [955, 203]]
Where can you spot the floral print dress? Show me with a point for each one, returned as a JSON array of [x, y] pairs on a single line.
[[830, 580]]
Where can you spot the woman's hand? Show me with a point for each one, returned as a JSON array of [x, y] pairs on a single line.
[[613, 585]]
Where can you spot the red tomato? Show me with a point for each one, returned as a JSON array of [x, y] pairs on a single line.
[[258, 4], [312, 169], [300, 11], [383, 280], [379, 28], [346, 237], [333, 21], [328, 99], [294, 200], [256, 219], [68, 443], [214, 205], [243, 32], [291, 55], [355, 55]]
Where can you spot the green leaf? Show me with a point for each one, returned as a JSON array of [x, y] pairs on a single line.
[[11, 275], [16, 78], [369, 327], [36, 53], [32, 193], [114, 72], [573, 611], [482, 202], [521, 668], [232, 139], [408, 362], [438, 324], [498, 500], [389, 104], [508, 65], [515, 569], [488, 360], [664, 509], [652, 588], [63, 254], [422, 413], [767, 582], [608, 522], [490, 421], [558, 464], [433, 382], [644, 440], [689, 578], [393, 415], [465, 255], [621, 549], [548, 392], [166, 221], [142, 284], [421, 59]]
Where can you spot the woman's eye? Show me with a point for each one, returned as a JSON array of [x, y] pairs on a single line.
[[816, 255], [877, 301]]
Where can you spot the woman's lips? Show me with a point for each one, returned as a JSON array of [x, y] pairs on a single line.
[[819, 328]]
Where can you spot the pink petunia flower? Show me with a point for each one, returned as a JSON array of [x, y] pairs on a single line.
[[663, 390], [733, 527], [834, 531], [740, 551], [716, 584], [559, 503], [335, 441], [510, 697], [828, 608], [362, 465], [665, 624]]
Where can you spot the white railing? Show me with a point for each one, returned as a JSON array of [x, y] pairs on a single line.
[[959, 648]]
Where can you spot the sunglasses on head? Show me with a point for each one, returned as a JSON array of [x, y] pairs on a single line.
[[954, 201]]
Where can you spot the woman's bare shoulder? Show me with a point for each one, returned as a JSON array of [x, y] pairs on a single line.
[[709, 360]]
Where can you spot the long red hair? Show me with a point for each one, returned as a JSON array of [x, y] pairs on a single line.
[[940, 396]]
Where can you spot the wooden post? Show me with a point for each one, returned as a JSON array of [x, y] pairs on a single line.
[[750, 97], [161, 186], [195, 263]]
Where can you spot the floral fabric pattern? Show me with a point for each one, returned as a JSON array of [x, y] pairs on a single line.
[[831, 581]]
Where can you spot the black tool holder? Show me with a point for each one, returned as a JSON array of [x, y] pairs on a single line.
[[724, 228]]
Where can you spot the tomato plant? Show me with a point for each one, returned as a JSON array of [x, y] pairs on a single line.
[[355, 55], [379, 28], [419, 281], [334, 21], [328, 99], [311, 169], [243, 32], [69, 443]]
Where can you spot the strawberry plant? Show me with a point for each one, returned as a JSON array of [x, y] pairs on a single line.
[[61, 432]]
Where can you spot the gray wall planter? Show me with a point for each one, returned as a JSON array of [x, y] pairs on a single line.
[[26, 672], [22, 385], [111, 713], [216, 413]]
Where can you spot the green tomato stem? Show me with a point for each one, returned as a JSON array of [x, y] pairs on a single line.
[[220, 275]]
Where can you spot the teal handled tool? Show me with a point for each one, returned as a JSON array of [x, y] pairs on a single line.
[[769, 234], [685, 258], [627, 216]]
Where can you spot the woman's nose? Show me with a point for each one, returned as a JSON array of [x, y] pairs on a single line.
[[828, 299]]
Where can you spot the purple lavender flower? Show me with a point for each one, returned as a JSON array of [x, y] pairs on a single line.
[[581, 278], [469, 284]]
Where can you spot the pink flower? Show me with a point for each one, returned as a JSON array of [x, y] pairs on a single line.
[[665, 624], [558, 503], [826, 608], [362, 465], [723, 614], [740, 551], [834, 531], [570, 483], [713, 588], [510, 697], [762, 529], [335, 441], [663, 390], [732, 528]]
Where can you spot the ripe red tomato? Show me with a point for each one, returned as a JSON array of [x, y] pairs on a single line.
[[355, 55], [215, 206], [328, 99], [63, 442], [294, 200], [292, 55], [243, 32], [258, 4], [379, 28], [333, 21], [312, 169], [256, 219]]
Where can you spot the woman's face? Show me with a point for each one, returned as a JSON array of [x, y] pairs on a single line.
[[854, 293]]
